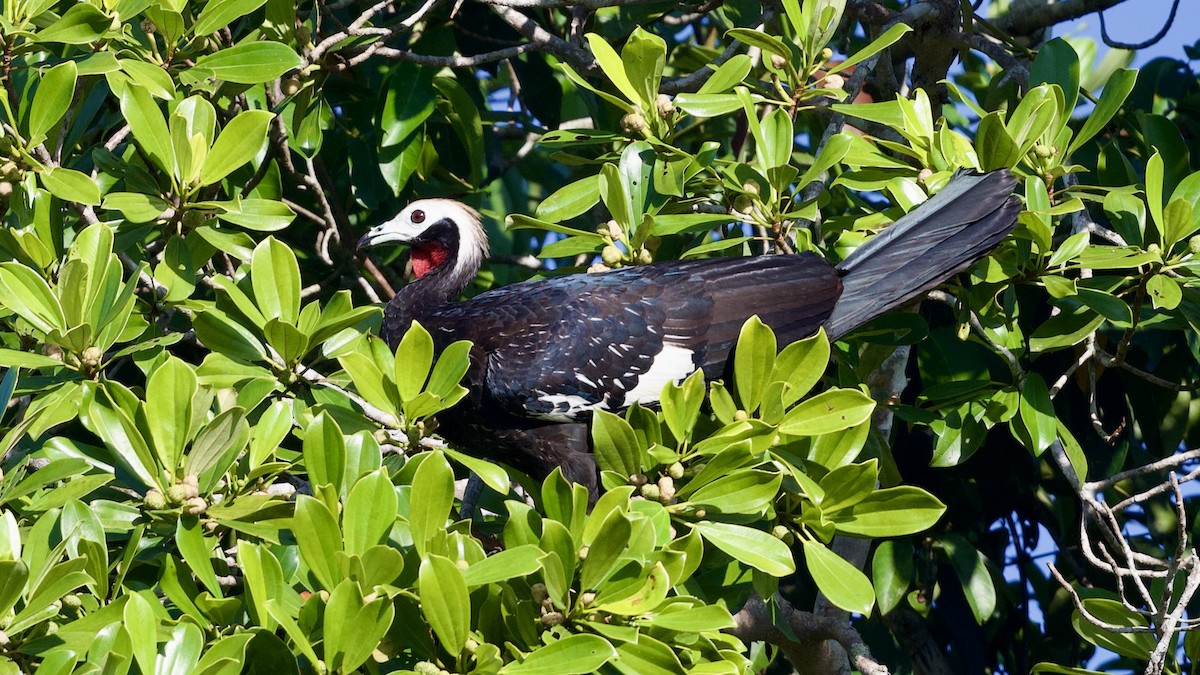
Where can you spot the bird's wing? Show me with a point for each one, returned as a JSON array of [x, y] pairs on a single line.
[[561, 348], [587, 343]]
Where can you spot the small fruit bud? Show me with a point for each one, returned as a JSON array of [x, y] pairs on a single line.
[[1042, 150], [53, 351], [538, 592], [924, 175], [462, 564], [701, 513], [192, 484], [72, 600], [633, 123], [551, 619], [470, 645], [650, 491], [6, 189], [675, 471], [148, 27], [743, 204], [192, 219], [835, 81], [614, 230], [583, 552], [426, 668], [637, 479], [751, 187], [587, 598], [1154, 248], [177, 494], [782, 533], [303, 36], [289, 86], [645, 257], [611, 255], [597, 268], [91, 357], [666, 489], [778, 61], [195, 506], [666, 107], [741, 416], [155, 500], [1194, 244], [826, 54]]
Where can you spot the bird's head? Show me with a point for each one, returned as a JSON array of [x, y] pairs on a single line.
[[444, 235]]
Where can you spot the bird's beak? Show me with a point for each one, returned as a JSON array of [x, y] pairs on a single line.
[[364, 242]]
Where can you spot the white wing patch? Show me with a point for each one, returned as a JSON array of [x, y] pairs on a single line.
[[567, 407], [672, 364]]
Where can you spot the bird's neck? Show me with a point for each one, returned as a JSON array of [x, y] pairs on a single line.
[[441, 278]]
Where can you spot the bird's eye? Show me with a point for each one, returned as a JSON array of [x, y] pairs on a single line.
[[418, 216]]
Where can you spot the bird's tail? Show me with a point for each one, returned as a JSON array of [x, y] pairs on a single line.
[[938, 239]]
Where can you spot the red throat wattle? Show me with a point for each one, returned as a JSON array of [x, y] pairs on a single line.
[[426, 257]]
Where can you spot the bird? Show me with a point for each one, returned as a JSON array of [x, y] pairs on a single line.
[[548, 353]]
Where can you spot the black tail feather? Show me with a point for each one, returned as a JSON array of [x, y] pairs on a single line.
[[940, 238]]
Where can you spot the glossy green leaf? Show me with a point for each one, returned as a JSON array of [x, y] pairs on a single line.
[[753, 359], [431, 498], [971, 568], [139, 620], [275, 275], [571, 655], [28, 294], [237, 144], [517, 561], [221, 13], [325, 452], [444, 601], [169, 393], [828, 412], [753, 547], [51, 100], [891, 573], [148, 126], [247, 63], [317, 533], [80, 24], [842, 583], [1036, 413], [370, 512], [615, 444], [414, 356], [890, 512], [354, 627], [197, 552]]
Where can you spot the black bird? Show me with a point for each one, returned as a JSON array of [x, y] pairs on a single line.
[[549, 352]]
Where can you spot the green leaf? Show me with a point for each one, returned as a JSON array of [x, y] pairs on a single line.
[[430, 500], [13, 575], [353, 628], [891, 573], [699, 619], [571, 200], [247, 63], [30, 296], [510, 563], [370, 512], [220, 333], [681, 404], [1133, 645], [197, 552], [325, 452], [169, 393], [753, 547], [135, 206], [891, 512], [801, 365], [493, 475], [444, 601], [610, 62], [1116, 90], [615, 444], [319, 539], [827, 412], [1058, 63], [1036, 413], [139, 620], [996, 148], [218, 14], [148, 126], [643, 57], [1155, 191], [747, 491], [237, 144], [414, 356], [753, 359], [889, 38], [971, 568], [52, 100], [572, 655], [610, 543], [1164, 292], [844, 584], [82, 23], [275, 276]]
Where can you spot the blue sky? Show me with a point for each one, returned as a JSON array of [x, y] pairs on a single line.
[[1138, 20]]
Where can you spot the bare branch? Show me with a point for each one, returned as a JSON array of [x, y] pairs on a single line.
[[1026, 17]]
